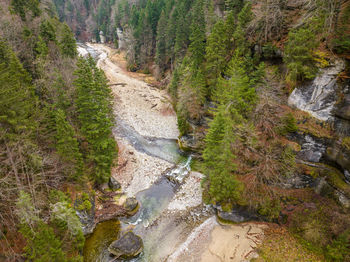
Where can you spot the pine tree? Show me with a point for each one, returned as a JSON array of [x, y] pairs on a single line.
[[299, 54], [41, 49], [234, 5], [161, 42], [67, 43], [216, 52], [96, 119], [197, 37], [182, 32], [47, 31], [218, 158], [17, 100], [21, 7], [237, 92], [67, 146]]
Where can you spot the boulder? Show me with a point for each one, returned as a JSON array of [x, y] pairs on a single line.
[[342, 109], [131, 205], [128, 246], [113, 184], [340, 155], [236, 215]]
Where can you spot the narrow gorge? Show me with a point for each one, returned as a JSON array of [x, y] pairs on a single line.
[[172, 217], [174, 130]]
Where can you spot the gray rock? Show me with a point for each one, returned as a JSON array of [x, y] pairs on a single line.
[[320, 96], [128, 246], [311, 150], [236, 215], [340, 155], [113, 184], [297, 181], [131, 205], [342, 109], [343, 199]]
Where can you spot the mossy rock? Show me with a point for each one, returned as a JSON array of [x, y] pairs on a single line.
[[128, 246], [131, 205]]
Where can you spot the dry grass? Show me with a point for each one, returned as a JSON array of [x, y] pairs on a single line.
[[280, 246]]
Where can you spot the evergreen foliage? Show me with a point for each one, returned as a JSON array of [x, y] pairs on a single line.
[[299, 54], [42, 242], [96, 120], [21, 7], [47, 31], [161, 42], [67, 43], [67, 145], [17, 100], [216, 52]]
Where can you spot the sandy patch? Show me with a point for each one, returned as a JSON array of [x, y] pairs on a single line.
[[192, 248], [211, 242], [233, 243], [137, 171], [190, 193], [147, 109]]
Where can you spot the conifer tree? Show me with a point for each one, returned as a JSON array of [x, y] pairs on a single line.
[[218, 158], [216, 51], [182, 32], [234, 5], [197, 37], [161, 41], [170, 35], [236, 92], [22, 6], [17, 100], [47, 31], [95, 115], [299, 54], [67, 43], [67, 145]]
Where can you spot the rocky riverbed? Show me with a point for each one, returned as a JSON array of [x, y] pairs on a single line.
[[172, 220]]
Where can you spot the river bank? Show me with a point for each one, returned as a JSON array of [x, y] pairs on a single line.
[[172, 220]]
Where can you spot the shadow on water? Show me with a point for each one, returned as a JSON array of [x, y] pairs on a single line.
[[96, 245]]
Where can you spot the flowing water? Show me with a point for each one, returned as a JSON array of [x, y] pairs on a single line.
[[147, 222]]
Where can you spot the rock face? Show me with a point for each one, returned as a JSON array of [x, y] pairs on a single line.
[[128, 246], [340, 155], [311, 150], [113, 184], [236, 215], [343, 108], [342, 111], [319, 97]]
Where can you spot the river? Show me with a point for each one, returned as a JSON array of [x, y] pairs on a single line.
[[172, 220]]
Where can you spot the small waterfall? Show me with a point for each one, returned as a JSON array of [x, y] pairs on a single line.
[[319, 97], [179, 173]]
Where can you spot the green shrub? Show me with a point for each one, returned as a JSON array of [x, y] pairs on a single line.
[[339, 249], [270, 209], [86, 205], [298, 56], [289, 125]]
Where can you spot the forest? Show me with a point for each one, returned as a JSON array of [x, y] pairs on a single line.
[[229, 67]]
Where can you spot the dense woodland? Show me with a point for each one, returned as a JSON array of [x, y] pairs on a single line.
[[56, 140], [220, 61]]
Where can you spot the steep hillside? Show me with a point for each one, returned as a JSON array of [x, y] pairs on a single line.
[[261, 91], [88, 17], [55, 135], [232, 67]]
